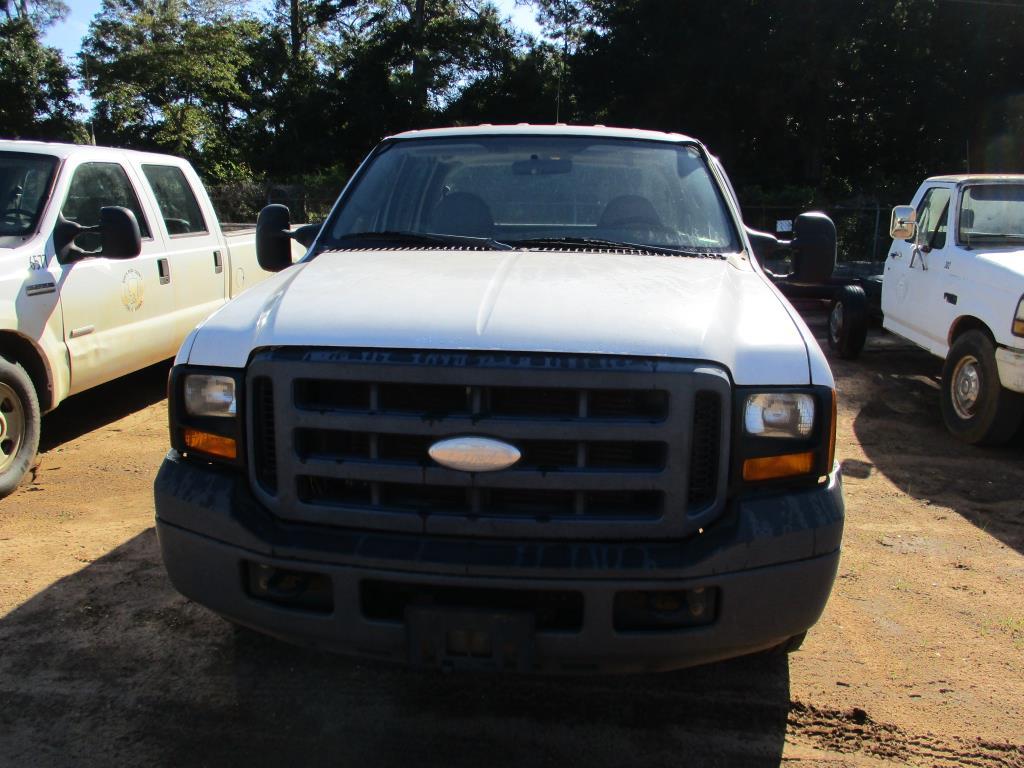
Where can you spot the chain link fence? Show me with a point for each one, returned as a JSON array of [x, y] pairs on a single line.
[[241, 203], [862, 232]]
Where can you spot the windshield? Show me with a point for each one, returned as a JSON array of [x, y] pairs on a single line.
[[24, 184], [534, 190], [992, 213]]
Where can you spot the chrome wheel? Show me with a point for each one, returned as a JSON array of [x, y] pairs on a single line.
[[835, 321], [966, 387], [12, 426]]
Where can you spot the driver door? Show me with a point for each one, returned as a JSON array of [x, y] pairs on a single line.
[[914, 272], [112, 307]]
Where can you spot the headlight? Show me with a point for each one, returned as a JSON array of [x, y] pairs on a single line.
[[1018, 319], [204, 407], [779, 414], [207, 395], [786, 434]]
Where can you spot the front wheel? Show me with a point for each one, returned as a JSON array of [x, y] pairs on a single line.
[[975, 406], [848, 322], [19, 425]]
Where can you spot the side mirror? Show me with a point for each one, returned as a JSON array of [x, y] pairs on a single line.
[[273, 249], [120, 237], [119, 233], [814, 248], [904, 223]]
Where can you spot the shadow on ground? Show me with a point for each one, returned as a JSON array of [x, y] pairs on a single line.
[[895, 388], [99, 406], [110, 666]]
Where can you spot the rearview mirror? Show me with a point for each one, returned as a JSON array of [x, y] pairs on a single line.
[[814, 248], [904, 223], [273, 236]]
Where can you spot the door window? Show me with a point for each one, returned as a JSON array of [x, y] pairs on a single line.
[[95, 186], [178, 205], [932, 215]]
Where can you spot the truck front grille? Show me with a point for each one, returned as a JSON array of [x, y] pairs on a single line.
[[611, 447]]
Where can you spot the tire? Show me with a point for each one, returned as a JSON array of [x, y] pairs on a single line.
[[975, 406], [19, 425], [786, 647], [848, 322], [793, 644]]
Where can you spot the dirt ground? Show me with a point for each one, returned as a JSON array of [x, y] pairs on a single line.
[[918, 658]]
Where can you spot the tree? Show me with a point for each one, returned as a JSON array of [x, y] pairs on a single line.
[[40, 13], [165, 74], [38, 99]]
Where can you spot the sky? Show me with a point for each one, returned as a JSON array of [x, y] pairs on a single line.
[[68, 34]]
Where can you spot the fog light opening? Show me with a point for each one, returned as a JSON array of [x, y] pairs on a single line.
[[664, 610], [302, 590]]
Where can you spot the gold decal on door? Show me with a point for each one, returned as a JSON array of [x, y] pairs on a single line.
[[132, 290]]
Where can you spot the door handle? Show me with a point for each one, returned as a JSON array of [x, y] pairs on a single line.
[[218, 264], [165, 271]]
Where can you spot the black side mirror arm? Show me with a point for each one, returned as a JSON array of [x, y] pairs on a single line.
[[305, 234], [64, 235]]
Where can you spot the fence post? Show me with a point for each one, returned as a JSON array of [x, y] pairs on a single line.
[[874, 242]]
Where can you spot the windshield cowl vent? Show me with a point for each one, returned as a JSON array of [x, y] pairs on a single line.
[[533, 249]]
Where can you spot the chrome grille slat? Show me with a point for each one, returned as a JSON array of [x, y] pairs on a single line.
[[390, 473], [606, 442]]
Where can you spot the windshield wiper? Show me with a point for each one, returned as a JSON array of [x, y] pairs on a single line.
[[420, 238], [598, 243]]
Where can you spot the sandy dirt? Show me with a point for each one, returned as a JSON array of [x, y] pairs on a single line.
[[917, 660]]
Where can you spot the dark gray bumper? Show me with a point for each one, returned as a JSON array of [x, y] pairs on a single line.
[[772, 559]]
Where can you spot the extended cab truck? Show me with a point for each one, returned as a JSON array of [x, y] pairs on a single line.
[[954, 285], [528, 402], [108, 258]]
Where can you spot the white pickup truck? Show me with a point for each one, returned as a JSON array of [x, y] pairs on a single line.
[[954, 284], [528, 402], [108, 258]]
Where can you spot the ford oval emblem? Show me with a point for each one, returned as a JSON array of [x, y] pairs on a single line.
[[474, 454]]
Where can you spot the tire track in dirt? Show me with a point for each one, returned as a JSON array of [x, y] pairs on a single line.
[[853, 731]]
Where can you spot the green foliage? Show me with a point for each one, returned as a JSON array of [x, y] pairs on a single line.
[[39, 13], [38, 102], [165, 76], [843, 97], [806, 103]]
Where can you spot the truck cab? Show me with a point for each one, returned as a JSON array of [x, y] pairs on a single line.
[[953, 284]]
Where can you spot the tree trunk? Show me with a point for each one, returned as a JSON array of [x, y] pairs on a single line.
[[296, 30], [419, 64]]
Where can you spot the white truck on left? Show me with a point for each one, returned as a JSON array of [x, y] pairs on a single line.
[[108, 258]]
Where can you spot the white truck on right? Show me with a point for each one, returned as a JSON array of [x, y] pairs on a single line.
[[954, 285]]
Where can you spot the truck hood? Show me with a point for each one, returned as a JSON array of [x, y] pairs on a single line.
[[528, 301]]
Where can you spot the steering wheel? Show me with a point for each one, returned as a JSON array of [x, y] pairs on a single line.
[[648, 229]]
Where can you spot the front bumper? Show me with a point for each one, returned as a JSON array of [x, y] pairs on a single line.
[[771, 559], [1010, 363]]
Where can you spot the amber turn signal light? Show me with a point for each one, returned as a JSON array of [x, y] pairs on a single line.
[[832, 433], [773, 467], [212, 445]]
